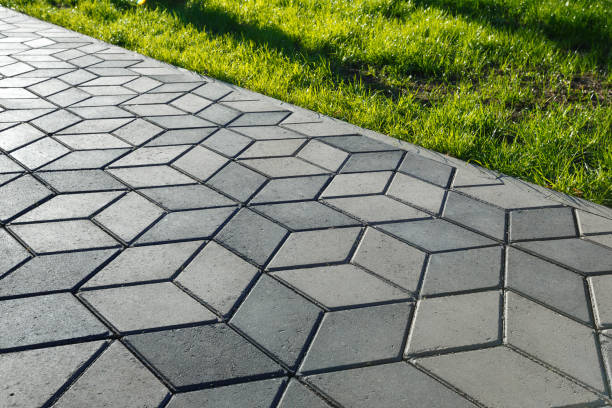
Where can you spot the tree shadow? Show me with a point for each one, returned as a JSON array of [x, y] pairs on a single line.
[[586, 32], [219, 22]]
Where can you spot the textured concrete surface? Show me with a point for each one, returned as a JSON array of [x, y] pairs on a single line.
[[169, 240]]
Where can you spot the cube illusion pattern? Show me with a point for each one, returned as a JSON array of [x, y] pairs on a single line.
[[168, 240]]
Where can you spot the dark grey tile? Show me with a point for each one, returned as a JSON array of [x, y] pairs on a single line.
[[181, 136], [237, 181], [150, 176], [463, 270], [85, 160], [602, 301], [272, 148], [252, 235], [205, 355], [542, 223], [357, 143], [291, 189], [219, 114], [436, 235], [180, 122], [186, 225], [377, 208], [360, 162], [149, 156], [548, 283], [138, 131], [576, 253], [475, 214], [81, 181], [427, 169], [277, 318], [306, 215], [254, 394], [260, 119], [227, 142], [45, 319], [298, 395]]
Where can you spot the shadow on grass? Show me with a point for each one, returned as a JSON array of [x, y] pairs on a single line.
[[572, 32]]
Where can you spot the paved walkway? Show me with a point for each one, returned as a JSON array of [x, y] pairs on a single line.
[[167, 240]]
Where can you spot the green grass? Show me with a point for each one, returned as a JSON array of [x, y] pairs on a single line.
[[519, 86]]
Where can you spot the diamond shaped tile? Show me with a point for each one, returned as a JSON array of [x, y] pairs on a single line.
[[206, 355], [66, 206], [188, 197], [20, 194], [306, 215]]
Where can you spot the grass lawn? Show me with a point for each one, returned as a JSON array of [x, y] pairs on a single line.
[[520, 86]]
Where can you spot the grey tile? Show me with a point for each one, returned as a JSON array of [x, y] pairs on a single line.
[[452, 322], [475, 214], [272, 148], [153, 98], [341, 285], [191, 103], [357, 183], [592, 224], [150, 155], [81, 181], [44, 319], [579, 254], [17, 136], [219, 114], [217, 277], [323, 155], [458, 271], [129, 216], [146, 263], [65, 206], [180, 122], [305, 215], [252, 235], [360, 162], [227, 142], [396, 385], [213, 91], [283, 167], [56, 121], [315, 247], [139, 307], [49, 87], [554, 339], [138, 131], [200, 162], [254, 394], [237, 181], [606, 351], [85, 159], [92, 141], [51, 273], [548, 283], [500, 377], [187, 197], [116, 378], [39, 153], [277, 318], [68, 97], [150, 176], [11, 253], [298, 395], [601, 288], [426, 169], [511, 195], [19, 194], [393, 260], [96, 126], [376, 208], [101, 112], [436, 235], [186, 225], [207, 355], [259, 119], [542, 223], [604, 239], [30, 378], [416, 192], [268, 132], [158, 109], [291, 189], [7, 165], [63, 236], [357, 143], [353, 336], [142, 84], [181, 136]]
